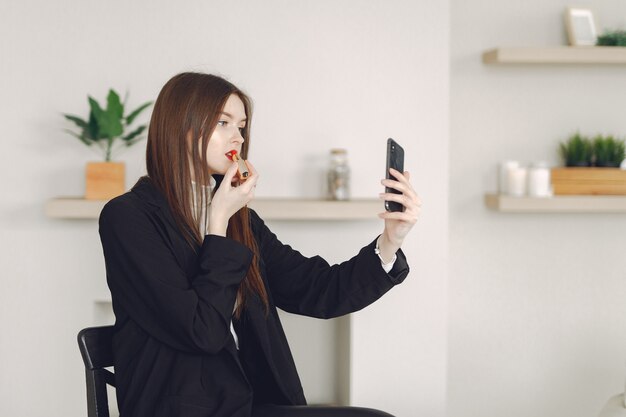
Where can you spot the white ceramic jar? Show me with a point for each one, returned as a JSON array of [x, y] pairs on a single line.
[[539, 180], [503, 178]]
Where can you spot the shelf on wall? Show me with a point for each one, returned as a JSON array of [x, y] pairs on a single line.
[[268, 209], [557, 55], [557, 204]]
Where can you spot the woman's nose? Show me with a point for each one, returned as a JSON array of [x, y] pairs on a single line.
[[237, 136]]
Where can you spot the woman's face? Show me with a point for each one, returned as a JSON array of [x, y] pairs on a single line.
[[226, 136]]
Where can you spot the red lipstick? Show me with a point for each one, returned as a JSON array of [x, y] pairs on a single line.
[[242, 169]]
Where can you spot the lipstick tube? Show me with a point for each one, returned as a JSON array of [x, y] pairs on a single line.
[[242, 169]]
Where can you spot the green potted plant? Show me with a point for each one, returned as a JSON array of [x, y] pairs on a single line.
[[577, 151], [579, 178], [612, 38], [608, 151], [109, 130]]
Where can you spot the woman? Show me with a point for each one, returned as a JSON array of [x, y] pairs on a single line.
[[196, 276]]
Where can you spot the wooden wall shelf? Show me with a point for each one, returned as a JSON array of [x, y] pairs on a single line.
[[557, 204], [588, 55], [268, 209]]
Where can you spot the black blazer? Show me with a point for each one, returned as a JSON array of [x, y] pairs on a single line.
[[174, 352]]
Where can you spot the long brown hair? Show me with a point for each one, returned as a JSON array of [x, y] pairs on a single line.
[[189, 105]]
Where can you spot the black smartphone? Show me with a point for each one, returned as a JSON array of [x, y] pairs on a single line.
[[395, 160]]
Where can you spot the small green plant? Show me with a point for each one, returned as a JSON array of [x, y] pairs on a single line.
[[608, 151], [577, 151], [612, 38], [105, 126]]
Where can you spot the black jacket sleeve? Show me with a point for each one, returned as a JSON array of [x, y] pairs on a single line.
[[191, 314], [311, 287]]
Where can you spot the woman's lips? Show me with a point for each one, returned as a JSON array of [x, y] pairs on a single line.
[[232, 155]]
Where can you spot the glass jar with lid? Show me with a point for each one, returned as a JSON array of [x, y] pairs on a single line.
[[338, 175]]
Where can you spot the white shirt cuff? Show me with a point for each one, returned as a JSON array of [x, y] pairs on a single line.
[[386, 266]]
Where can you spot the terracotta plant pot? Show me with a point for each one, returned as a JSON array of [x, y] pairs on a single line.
[[104, 180]]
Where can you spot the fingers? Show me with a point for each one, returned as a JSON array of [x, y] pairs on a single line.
[[397, 215], [409, 198], [403, 188], [402, 184], [252, 168], [402, 198], [402, 178], [398, 198], [411, 204], [412, 207], [249, 185], [230, 173], [234, 194]]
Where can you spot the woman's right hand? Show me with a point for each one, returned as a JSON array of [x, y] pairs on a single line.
[[228, 200]]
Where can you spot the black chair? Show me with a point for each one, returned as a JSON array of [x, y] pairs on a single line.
[[95, 345]]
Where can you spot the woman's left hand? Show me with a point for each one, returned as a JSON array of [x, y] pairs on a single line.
[[398, 224]]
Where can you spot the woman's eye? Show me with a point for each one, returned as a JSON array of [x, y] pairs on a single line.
[[222, 123], [241, 130]]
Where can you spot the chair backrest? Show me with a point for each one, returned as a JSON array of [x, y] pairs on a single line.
[[96, 347]]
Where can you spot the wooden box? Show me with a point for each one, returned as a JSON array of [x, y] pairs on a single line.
[[104, 180], [589, 181]]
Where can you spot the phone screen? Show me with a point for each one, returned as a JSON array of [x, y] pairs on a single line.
[[395, 160]]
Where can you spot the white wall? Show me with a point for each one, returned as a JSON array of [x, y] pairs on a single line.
[[322, 74], [537, 313], [401, 340]]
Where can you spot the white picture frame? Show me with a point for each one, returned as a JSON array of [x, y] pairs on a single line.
[[581, 27]]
